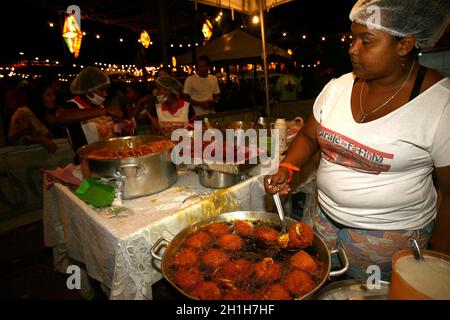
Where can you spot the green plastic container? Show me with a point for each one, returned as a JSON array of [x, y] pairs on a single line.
[[95, 193]]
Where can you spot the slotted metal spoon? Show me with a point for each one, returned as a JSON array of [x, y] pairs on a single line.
[[283, 239], [279, 206]]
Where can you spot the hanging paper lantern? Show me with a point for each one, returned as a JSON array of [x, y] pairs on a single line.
[[72, 35], [145, 39], [207, 30]]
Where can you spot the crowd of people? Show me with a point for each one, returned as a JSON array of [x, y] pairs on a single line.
[[95, 109]]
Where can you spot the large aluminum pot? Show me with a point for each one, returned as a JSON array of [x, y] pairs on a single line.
[[172, 246], [143, 175]]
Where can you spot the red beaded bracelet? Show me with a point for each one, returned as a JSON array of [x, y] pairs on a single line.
[[291, 168]]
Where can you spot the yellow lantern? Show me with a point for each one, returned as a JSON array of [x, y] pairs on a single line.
[[72, 35], [145, 39], [207, 30]]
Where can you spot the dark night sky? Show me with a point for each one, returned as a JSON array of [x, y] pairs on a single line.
[[24, 27]]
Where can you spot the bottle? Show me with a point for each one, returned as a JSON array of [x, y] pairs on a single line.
[[281, 125]]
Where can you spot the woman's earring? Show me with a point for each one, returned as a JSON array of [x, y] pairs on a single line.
[[402, 60]]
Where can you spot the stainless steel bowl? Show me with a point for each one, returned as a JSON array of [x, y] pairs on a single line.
[[217, 179]]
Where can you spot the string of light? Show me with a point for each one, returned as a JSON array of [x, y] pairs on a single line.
[[343, 37]]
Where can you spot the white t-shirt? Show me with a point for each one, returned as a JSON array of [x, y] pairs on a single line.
[[95, 129], [169, 121], [377, 175], [201, 89]]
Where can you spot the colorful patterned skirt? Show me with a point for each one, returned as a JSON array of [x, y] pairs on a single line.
[[366, 248]]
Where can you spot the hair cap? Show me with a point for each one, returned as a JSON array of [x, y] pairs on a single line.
[[426, 20], [88, 79], [171, 84]]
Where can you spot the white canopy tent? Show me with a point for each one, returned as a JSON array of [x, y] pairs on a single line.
[[250, 7], [235, 45], [245, 6]]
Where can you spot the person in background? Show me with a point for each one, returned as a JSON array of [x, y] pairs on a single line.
[[171, 111], [116, 98], [45, 105], [86, 118], [288, 86], [201, 89], [139, 103], [25, 127], [381, 130]]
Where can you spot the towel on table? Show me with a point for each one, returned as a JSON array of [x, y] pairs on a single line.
[[62, 175]]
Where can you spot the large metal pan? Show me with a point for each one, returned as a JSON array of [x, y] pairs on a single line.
[[142, 175], [172, 246]]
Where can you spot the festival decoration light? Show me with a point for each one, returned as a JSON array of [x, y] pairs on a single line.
[[145, 39], [72, 35], [207, 30]]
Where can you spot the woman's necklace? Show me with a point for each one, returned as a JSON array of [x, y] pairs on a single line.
[[387, 101]]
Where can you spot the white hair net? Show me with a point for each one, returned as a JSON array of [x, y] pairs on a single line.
[[171, 84], [424, 19], [88, 79]]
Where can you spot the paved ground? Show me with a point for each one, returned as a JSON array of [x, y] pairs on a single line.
[[26, 268]]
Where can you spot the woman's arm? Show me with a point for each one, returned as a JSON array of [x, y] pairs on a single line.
[[71, 116], [302, 148], [440, 241], [154, 126], [304, 145], [47, 143], [145, 102]]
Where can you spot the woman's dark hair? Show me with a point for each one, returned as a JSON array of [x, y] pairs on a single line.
[[40, 86]]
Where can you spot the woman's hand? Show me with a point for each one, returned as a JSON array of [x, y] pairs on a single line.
[[302, 148], [127, 127], [114, 112], [166, 131], [278, 182], [49, 144]]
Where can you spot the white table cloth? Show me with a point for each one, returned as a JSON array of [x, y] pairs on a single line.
[[116, 251]]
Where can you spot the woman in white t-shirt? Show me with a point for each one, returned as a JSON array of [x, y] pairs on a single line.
[[381, 130], [171, 112]]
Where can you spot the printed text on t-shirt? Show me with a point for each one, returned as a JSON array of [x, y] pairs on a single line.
[[347, 152]]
